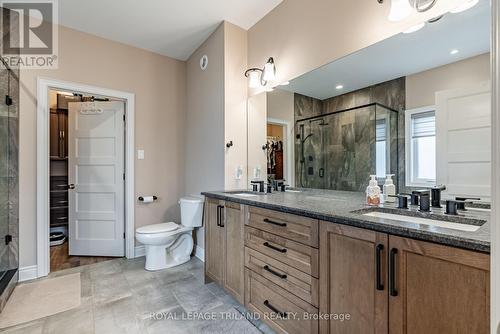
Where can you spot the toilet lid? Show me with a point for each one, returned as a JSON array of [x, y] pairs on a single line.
[[158, 228]]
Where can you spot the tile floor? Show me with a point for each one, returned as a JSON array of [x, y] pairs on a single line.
[[119, 296]]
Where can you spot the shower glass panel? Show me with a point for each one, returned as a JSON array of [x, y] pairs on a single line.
[[340, 150]]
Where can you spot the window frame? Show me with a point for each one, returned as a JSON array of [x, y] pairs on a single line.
[[409, 154]]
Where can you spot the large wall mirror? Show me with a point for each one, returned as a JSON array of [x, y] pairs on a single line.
[[416, 105]]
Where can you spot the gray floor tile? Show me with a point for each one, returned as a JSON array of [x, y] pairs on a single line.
[[120, 296]]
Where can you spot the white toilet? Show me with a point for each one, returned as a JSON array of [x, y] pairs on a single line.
[[170, 244]]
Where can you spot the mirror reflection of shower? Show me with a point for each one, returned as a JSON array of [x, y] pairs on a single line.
[[340, 149], [303, 138]]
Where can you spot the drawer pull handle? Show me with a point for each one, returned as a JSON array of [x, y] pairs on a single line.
[[62, 218], [274, 223], [62, 202], [275, 273], [378, 255], [392, 272], [275, 310], [281, 250]]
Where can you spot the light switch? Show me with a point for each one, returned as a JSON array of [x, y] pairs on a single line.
[[140, 154]]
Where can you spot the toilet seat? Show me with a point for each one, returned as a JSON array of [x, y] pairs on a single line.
[[158, 228]]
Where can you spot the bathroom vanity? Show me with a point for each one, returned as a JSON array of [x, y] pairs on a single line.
[[318, 261]]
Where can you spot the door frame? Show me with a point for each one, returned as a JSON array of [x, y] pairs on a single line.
[[42, 164], [288, 149]]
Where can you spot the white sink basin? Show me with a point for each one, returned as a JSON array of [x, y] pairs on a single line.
[[424, 221], [245, 195]]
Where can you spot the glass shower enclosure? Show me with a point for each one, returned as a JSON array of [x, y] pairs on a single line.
[[339, 150], [9, 185]]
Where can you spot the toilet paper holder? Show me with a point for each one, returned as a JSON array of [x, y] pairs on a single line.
[[141, 199]]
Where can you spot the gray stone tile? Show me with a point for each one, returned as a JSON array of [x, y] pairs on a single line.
[[122, 297], [77, 321], [33, 327]]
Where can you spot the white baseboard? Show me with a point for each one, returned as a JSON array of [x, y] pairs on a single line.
[[28, 273], [199, 253], [139, 251]]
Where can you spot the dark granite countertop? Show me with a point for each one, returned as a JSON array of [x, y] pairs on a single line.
[[347, 208]]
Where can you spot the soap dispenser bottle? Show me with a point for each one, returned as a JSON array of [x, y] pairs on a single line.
[[373, 191], [389, 189]]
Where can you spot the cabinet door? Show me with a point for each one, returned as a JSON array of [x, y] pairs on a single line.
[[55, 134], [353, 279], [437, 289], [234, 250], [214, 240]]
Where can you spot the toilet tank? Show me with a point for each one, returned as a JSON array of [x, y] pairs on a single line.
[[191, 211]]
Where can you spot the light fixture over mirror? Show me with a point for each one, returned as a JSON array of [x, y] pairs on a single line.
[[260, 77], [401, 9]]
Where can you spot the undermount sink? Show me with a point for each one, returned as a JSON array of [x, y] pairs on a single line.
[[424, 221], [244, 194]]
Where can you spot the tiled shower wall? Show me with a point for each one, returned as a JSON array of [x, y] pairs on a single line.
[[349, 161], [9, 178]]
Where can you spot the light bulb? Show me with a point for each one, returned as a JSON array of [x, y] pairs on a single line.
[[254, 79], [414, 28], [464, 6], [400, 9], [269, 71]]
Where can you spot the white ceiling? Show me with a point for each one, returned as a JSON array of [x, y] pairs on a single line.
[[401, 55], [174, 28]]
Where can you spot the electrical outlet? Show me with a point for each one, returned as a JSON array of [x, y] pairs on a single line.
[[140, 154]]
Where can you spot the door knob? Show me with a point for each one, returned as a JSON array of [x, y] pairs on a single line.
[[71, 186]]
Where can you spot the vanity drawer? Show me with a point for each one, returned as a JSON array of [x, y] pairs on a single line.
[[295, 281], [292, 253], [281, 310], [301, 229]]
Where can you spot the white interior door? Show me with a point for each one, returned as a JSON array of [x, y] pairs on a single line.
[[96, 169], [463, 141]]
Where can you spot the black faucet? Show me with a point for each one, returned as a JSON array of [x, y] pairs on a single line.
[[462, 200], [451, 207], [277, 184], [402, 200], [258, 183], [424, 197], [436, 196], [414, 197]]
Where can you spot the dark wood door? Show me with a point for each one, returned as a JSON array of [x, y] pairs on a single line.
[[353, 279], [54, 134], [437, 289]]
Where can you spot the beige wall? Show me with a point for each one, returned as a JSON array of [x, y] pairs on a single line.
[[421, 87], [303, 35], [159, 85], [204, 131], [216, 114], [235, 105]]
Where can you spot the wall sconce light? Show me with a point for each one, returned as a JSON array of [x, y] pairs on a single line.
[[260, 77]]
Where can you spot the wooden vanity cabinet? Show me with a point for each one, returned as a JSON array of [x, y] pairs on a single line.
[[395, 285], [224, 252], [437, 289], [214, 241], [353, 279]]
